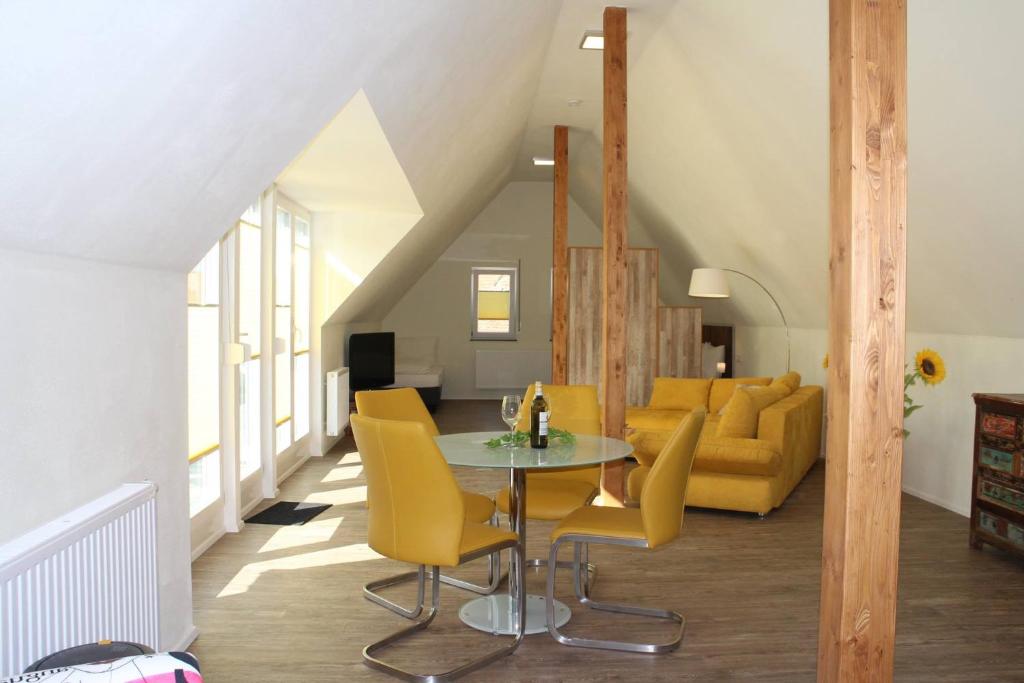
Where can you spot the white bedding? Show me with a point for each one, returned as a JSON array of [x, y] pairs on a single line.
[[430, 377]]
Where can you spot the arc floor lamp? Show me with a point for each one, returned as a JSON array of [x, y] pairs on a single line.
[[711, 283]]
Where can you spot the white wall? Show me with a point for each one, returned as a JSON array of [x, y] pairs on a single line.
[[347, 245], [516, 225], [938, 453], [93, 396]]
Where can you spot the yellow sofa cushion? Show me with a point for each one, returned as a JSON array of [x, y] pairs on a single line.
[[675, 393], [648, 442], [737, 456], [651, 418], [739, 420], [721, 390], [790, 381]]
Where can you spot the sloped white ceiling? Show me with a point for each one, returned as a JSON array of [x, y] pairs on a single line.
[[728, 153], [350, 166], [138, 132]]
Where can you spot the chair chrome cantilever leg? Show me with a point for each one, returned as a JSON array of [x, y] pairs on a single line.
[[583, 596], [536, 563], [370, 592], [494, 579], [370, 651]]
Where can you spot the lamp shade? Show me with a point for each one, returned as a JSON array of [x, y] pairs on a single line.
[[709, 283]]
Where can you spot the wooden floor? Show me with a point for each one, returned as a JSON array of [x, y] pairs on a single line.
[[283, 604]]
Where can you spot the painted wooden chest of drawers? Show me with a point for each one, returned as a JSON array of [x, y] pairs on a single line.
[[997, 502]]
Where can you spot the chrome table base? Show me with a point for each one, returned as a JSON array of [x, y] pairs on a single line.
[[495, 614]]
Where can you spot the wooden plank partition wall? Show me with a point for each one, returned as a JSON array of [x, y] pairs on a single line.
[[584, 302], [585, 320], [616, 221], [560, 258], [680, 334], [868, 133], [641, 325]]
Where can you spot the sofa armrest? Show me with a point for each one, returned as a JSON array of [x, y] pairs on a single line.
[[729, 455], [647, 444], [793, 427]]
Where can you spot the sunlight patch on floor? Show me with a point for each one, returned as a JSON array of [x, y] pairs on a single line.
[[314, 531], [347, 496], [350, 458], [248, 575], [342, 474]]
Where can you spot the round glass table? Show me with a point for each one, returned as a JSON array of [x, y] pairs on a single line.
[[496, 613]]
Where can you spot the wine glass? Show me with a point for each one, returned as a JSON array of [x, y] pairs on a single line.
[[510, 406]]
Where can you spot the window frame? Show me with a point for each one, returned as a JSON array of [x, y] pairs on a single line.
[[513, 311], [297, 212], [211, 452]]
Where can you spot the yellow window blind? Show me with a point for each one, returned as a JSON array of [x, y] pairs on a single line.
[[493, 305]]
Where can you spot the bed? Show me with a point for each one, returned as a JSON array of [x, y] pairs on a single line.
[[416, 366]]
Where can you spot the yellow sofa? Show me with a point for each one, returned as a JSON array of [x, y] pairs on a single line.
[[744, 474]]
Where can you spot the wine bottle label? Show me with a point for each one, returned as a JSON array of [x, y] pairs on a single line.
[[542, 424]]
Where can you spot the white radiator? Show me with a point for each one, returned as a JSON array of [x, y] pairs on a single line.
[[337, 401], [90, 575], [512, 368]]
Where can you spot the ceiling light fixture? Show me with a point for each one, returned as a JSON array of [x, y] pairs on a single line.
[[543, 161], [592, 40]]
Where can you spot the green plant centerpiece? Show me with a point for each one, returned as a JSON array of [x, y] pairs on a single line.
[[517, 439]]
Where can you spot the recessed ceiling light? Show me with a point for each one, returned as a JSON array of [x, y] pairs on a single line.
[[543, 161], [592, 40]]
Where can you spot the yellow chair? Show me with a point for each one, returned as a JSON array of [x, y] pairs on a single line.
[[656, 522], [406, 404], [554, 494], [418, 516]]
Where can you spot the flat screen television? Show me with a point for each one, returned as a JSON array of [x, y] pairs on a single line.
[[371, 360]]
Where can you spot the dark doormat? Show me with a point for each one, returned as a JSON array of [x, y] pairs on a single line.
[[287, 513]]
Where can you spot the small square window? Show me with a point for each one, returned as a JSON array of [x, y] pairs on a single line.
[[494, 304]]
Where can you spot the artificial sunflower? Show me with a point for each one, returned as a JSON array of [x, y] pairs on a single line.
[[930, 366], [930, 369]]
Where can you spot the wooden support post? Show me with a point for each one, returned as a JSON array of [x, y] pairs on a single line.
[[613, 362], [868, 96], [560, 261]]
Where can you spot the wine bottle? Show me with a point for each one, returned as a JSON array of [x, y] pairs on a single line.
[[539, 419]]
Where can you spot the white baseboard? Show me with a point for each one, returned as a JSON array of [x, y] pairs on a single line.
[[291, 470], [206, 544], [330, 442], [191, 633], [937, 501], [250, 507]]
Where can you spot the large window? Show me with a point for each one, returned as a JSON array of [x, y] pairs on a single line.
[[204, 381], [494, 303], [300, 328], [291, 324], [248, 362], [249, 254]]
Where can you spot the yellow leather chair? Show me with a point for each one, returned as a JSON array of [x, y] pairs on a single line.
[[406, 404], [656, 522], [553, 495], [418, 516]]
